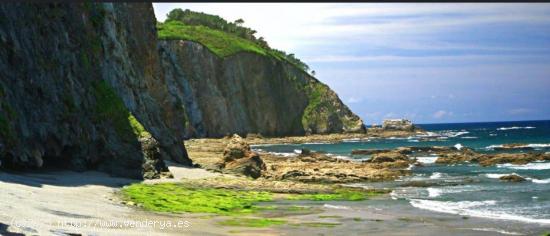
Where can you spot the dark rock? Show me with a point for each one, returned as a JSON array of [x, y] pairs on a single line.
[[512, 178], [250, 93], [388, 157], [80, 83], [305, 152], [250, 166]]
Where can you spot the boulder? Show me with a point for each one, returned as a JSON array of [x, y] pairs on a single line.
[[236, 149], [512, 178], [249, 166], [239, 159]]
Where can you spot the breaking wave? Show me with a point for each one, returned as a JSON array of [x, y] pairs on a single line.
[[471, 208]]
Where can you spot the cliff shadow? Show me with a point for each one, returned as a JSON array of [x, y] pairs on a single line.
[[65, 178]]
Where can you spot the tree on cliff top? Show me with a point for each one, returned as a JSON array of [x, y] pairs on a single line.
[[191, 18]]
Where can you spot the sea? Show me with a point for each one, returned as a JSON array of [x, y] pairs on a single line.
[[462, 189]]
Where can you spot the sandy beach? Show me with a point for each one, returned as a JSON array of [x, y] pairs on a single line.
[[70, 203]]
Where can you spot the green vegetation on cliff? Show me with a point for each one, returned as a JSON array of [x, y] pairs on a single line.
[[222, 37], [110, 107], [319, 106], [220, 43]]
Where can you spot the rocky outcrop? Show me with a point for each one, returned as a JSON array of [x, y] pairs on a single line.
[[492, 159], [82, 87], [388, 157], [398, 124], [239, 159], [512, 178], [250, 93]]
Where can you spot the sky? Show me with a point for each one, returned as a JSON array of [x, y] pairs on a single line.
[[427, 62]]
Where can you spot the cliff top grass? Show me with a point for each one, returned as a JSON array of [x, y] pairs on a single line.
[[220, 43]]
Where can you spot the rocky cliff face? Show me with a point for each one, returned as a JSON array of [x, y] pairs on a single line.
[[250, 93], [82, 87]]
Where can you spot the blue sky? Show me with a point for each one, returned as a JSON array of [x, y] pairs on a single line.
[[428, 62]]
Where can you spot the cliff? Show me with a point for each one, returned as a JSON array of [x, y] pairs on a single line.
[[82, 87], [230, 85]]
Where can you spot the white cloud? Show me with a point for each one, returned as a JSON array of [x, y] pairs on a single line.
[[289, 26], [441, 114], [520, 111], [353, 100]]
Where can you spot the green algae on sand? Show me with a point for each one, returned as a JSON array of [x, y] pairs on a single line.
[[252, 222]]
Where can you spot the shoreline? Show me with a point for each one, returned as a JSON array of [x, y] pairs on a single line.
[[379, 215], [94, 195]]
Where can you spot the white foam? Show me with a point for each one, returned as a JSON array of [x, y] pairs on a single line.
[[427, 160], [515, 127], [471, 208], [538, 145], [297, 151], [284, 154], [540, 181], [434, 192], [336, 206], [528, 166], [436, 175], [491, 147], [495, 230], [495, 176], [413, 140], [354, 140], [469, 137], [531, 145], [458, 146]]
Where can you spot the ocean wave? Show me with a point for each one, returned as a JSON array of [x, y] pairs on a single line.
[[492, 147], [528, 166], [284, 154], [497, 176], [469, 137], [413, 141], [471, 208], [515, 127], [458, 146], [354, 140], [530, 145], [336, 206], [434, 192], [495, 230], [436, 175], [538, 145], [540, 181]]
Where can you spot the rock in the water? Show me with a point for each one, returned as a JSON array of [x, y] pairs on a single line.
[[398, 124], [512, 178], [388, 157]]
